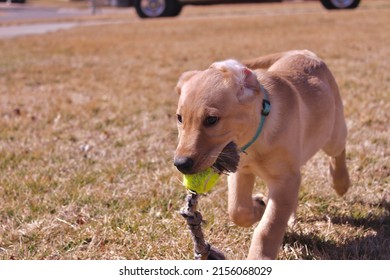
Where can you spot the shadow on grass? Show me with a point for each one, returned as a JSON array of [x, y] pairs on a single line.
[[371, 247]]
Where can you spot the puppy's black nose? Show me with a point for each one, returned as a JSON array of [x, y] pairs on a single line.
[[184, 164]]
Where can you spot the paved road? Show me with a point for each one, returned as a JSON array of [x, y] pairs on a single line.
[[21, 13], [42, 28]]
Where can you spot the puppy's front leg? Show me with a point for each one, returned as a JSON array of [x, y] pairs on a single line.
[[244, 210], [268, 235]]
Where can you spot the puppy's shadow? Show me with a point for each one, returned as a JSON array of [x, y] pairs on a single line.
[[369, 247]]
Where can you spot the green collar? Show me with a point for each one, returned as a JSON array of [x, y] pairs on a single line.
[[264, 113]]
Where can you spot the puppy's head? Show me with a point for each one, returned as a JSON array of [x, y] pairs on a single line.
[[213, 111]]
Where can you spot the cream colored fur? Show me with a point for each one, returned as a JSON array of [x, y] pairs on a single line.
[[306, 116]]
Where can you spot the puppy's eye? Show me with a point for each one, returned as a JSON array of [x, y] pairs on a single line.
[[179, 119], [210, 121]]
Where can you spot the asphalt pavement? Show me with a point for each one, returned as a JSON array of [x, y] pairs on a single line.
[[23, 13], [20, 13], [26, 12]]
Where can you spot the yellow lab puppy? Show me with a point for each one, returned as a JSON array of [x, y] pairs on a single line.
[[225, 104]]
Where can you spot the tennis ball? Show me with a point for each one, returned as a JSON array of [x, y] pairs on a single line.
[[201, 182]]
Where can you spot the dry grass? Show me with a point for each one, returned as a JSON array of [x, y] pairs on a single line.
[[87, 134]]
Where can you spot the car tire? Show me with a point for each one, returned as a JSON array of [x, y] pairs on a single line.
[[340, 4], [157, 8]]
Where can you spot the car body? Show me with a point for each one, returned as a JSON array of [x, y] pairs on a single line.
[[170, 8], [14, 1]]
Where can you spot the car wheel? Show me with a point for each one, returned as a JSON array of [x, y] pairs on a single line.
[[157, 8], [340, 4]]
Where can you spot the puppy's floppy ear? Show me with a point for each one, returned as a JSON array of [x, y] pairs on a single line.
[[250, 86], [185, 77], [245, 78]]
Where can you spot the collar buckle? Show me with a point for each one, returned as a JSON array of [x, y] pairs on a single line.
[[266, 107]]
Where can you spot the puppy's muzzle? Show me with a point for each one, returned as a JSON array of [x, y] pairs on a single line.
[[184, 164]]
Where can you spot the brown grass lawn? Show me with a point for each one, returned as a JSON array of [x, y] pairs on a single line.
[[88, 131]]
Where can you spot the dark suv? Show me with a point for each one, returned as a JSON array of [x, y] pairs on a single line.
[[171, 8]]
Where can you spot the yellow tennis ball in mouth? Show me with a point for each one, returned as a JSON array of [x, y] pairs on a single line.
[[201, 182]]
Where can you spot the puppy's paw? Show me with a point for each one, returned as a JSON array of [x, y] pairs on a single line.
[[259, 205], [260, 199]]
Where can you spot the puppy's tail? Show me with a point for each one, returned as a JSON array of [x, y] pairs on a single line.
[[263, 62]]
